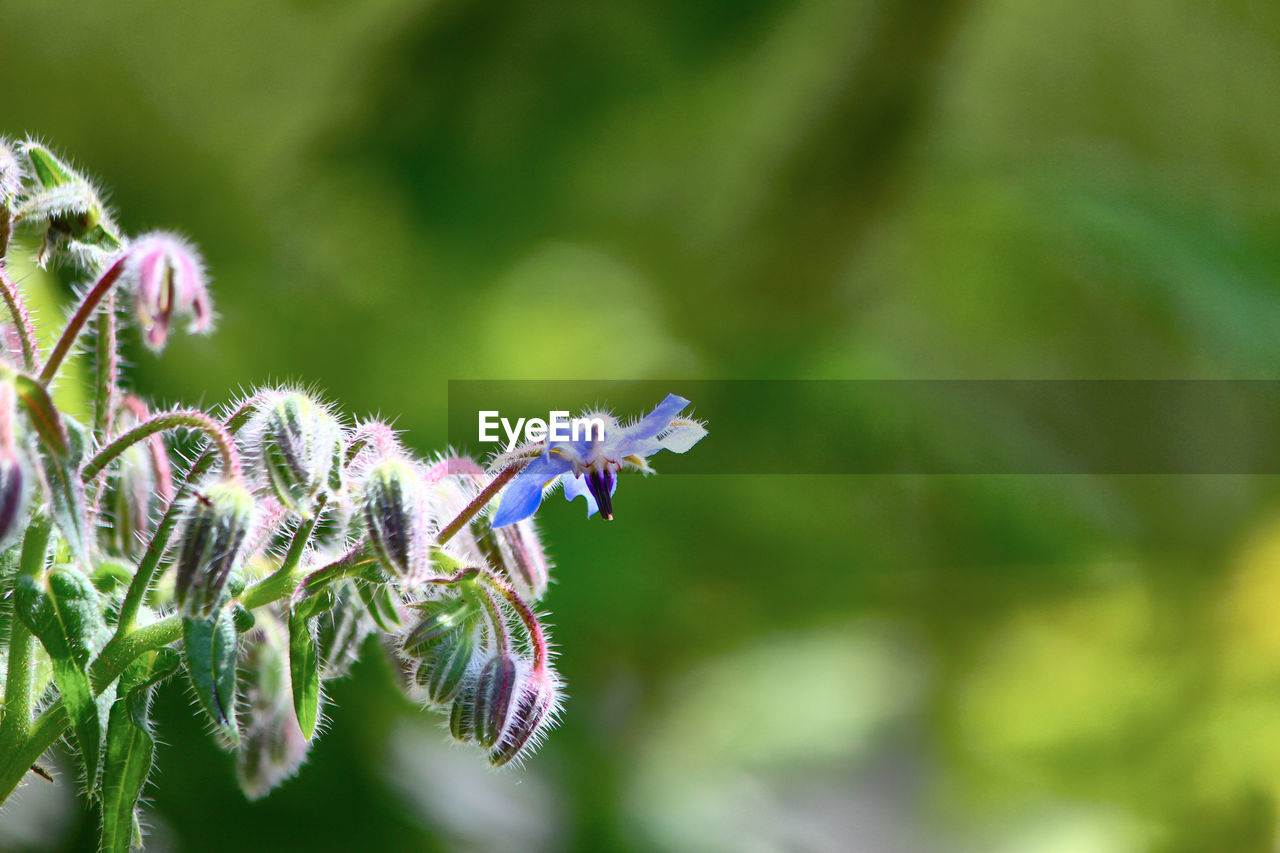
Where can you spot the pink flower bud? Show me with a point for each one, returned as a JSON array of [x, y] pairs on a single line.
[[15, 478], [536, 709], [143, 482], [168, 280], [10, 175]]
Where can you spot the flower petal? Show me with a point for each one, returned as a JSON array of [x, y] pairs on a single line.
[[648, 427], [683, 436], [522, 497]]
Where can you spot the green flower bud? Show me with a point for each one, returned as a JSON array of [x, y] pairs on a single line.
[[300, 447], [218, 520], [497, 687], [440, 620], [397, 520], [271, 743], [444, 668]]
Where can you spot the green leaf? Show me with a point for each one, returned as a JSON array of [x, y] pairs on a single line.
[[65, 613], [49, 170], [304, 669], [130, 749], [210, 646], [44, 415], [66, 491]]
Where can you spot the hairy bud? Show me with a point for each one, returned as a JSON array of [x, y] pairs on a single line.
[[462, 714], [517, 551], [497, 687], [272, 746], [342, 632], [10, 175], [300, 449], [67, 206], [15, 476], [168, 281], [440, 619], [536, 709], [397, 521], [213, 541], [144, 481], [445, 665]]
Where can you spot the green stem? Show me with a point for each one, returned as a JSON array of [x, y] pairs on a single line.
[[107, 367], [15, 764], [283, 579], [487, 494], [17, 307], [537, 637], [121, 651], [190, 418], [76, 324], [20, 681]]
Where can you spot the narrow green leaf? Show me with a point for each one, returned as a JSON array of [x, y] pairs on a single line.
[[304, 670], [210, 646], [130, 749], [44, 416], [65, 613], [66, 491]]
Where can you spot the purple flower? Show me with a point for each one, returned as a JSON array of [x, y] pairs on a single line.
[[588, 466], [168, 281]]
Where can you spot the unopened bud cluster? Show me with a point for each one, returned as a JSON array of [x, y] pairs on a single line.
[[258, 549]]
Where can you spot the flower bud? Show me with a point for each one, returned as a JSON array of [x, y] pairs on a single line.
[[536, 709], [300, 448], [396, 519], [144, 481], [443, 669], [67, 206], [342, 632], [462, 714], [212, 544], [517, 551], [15, 476], [440, 619], [497, 687], [168, 280], [271, 743], [10, 175]]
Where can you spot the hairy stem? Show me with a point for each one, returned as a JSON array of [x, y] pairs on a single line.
[[537, 638], [44, 732], [20, 681], [76, 324], [284, 576], [487, 494], [17, 308], [189, 418], [108, 365]]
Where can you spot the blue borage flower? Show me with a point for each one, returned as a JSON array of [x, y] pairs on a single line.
[[589, 466]]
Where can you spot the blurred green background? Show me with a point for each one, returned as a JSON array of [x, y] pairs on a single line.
[[394, 194]]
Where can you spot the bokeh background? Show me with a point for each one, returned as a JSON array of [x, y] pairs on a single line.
[[394, 194]]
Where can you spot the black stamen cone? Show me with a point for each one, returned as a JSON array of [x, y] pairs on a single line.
[[601, 485]]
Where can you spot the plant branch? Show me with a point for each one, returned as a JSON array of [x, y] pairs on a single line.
[[17, 308], [190, 418], [76, 324]]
